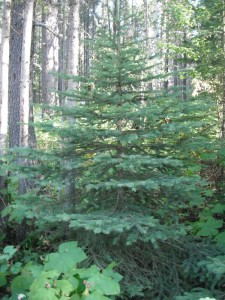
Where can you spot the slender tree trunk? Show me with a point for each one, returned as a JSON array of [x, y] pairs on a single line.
[[86, 46], [165, 38], [32, 135], [223, 87], [50, 60], [16, 38], [74, 44], [62, 38], [4, 70], [184, 81], [147, 29], [72, 69], [154, 37], [175, 78], [25, 84], [166, 69]]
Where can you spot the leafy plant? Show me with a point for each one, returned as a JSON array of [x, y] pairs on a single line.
[[58, 276], [211, 223]]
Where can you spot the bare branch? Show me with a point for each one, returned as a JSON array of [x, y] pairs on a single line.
[[47, 28]]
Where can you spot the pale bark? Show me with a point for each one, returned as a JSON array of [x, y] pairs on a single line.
[[25, 73], [152, 35], [72, 69], [50, 59], [73, 48], [155, 26], [223, 87], [25, 85], [4, 70], [147, 29], [166, 57], [165, 39], [148, 36], [87, 35], [62, 39]]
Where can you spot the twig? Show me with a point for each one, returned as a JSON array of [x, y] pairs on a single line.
[[46, 27]]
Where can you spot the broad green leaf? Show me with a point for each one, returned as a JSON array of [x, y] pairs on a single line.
[[74, 281], [101, 281], [208, 193], [65, 286], [105, 284], [210, 227], [69, 255], [75, 297], [32, 270], [94, 296], [43, 293], [3, 280], [15, 269], [11, 250], [92, 271], [6, 211], [218, 208], [207, 231], [109, 272], [45, 278], [69, 246], [18, 215], [3, 267], [35, 270], [21, 283], [220, 238], [60, 262]]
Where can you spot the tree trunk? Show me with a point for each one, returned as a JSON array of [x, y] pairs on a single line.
[[223, 87], [32, 135], [73, 49], [151, 35], [16, 38], [72, 69], [4, 70], [25, 84], [61, 51], [184, 81], [86, 46], [50, 59]]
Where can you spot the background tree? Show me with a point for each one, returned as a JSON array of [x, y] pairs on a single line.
[[4, 70], [25, 82], [16, 38], [50, 52], [72, 85]]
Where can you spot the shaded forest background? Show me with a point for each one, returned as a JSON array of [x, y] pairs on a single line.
[[112, 128]]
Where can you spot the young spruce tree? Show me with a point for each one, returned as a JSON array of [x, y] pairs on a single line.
[[131, 154], [130, 181]]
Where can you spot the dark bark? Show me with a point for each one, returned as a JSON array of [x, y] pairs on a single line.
[[32, 136], [184, 81], [14, 72]]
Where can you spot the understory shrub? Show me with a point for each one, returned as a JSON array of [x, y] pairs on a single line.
[[56, 277]]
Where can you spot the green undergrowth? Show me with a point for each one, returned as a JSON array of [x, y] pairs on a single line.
[[57, 276]]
